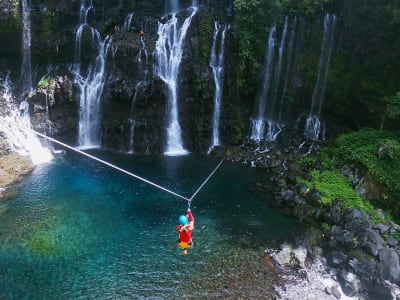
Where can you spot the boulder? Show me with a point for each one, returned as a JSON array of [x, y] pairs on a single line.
[[389, 268], [374, 242], [349, 282]]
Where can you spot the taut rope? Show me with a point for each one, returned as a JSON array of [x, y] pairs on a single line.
[[189, 200]]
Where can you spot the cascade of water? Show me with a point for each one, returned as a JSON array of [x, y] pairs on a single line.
[[313, 124], [172, 6], [217, 66], [278, 70], [90, 79], [143, 51], [142, 69], [26, 68], [274, 126], [132, 121], [292, 38], [128, 21], [14, 121], [168, 54], [258, 123]]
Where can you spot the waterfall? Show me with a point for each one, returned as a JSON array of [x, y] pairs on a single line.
[[274, 126], [26, 68], [313, 124], [277, 76], [168, 55], [258, 123], [289, 56], [271, 99], [89, 79], [132, 121], [217, 66], [172, 6], [14, 122], [142, 59], [128, 21]]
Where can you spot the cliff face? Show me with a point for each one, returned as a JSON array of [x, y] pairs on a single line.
[[132, 92], [133, 99]]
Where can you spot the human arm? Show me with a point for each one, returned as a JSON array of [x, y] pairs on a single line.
[[191, 219]]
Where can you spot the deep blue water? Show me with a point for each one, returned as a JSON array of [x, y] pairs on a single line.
[[81, 230]]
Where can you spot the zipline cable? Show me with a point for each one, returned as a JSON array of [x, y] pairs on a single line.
[[205, 181], [110, 165], [189, 200]]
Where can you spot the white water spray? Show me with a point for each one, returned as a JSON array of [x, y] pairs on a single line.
[[217, 66], [12, 119], [90, 80], [168, 54], [258, 123], [128, 21]]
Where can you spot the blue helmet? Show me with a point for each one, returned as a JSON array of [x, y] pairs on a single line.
[[183, 220]]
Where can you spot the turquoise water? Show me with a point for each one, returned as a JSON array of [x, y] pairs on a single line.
[[80, 230]]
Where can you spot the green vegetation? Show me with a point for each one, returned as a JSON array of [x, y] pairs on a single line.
[[332, 186], [251, 27], [44, 83], [378, 153], [204, 32], [201, 85], [376, 156], [391, 117], [306, 7]]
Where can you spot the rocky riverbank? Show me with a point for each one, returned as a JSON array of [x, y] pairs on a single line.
[[345, 253], [12, 167]]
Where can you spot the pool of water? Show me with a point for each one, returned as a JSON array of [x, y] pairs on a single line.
[[81, 230]]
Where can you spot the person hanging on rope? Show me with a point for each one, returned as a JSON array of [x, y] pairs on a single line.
[[185, 228]]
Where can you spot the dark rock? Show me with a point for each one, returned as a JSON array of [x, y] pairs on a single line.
[[374, 242], [389, 267], [349, 282], [393, 227], [337, 258], [379, 289], [335, 215], [315, 197], [288, 195], [342, 235], [382, 228], [357, 222], [392, 242]]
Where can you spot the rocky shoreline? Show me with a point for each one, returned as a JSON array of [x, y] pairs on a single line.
[[343, 254], [12, 168]]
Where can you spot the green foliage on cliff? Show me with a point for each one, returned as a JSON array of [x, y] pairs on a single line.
[[333, 186], [391, 116], [204, 33], [253, 20], [377, 152], [305, 7]]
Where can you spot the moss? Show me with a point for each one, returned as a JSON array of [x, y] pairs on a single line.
[[332, 185]]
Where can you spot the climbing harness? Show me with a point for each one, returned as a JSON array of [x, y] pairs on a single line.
[[189, 200]]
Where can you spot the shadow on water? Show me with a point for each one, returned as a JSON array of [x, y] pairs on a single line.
[[81, 230]]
